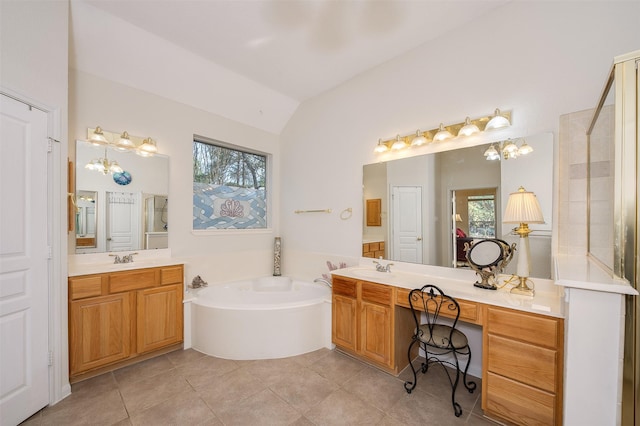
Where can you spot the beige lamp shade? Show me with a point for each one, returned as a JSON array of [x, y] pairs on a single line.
[[523, 207]]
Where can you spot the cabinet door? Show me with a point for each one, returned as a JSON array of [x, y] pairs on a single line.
[[344, 322], [159, 317], [100, 331], [375, 326]]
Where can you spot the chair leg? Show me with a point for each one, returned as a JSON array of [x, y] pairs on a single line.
[[408, 385], [457, 410], [469, 384]]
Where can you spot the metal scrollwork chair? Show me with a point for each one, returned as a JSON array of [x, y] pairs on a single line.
[[441, 341]]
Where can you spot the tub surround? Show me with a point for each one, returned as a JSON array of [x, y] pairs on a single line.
[[264, 318]]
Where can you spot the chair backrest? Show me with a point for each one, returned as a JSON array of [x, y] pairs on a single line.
[[434, 303]]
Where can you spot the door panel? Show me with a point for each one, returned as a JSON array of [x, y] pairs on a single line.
[[24, 280], [406, 232], [122, 223]]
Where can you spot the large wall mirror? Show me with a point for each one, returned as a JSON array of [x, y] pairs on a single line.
[[121, 211], [432, 204]]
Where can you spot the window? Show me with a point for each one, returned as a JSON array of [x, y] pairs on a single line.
[[482, 216], [229, 188]]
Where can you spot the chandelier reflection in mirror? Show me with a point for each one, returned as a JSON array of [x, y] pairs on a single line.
[[103, 165], [120, 142], [507, 149], [470, 127]]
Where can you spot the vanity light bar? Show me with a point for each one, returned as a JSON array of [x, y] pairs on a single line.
[[499, 119], [144, 147]]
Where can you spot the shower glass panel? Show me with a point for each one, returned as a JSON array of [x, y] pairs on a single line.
[[601, 168]]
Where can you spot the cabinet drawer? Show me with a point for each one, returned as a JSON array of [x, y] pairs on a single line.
[[344, 287], [519, 403], [132, 280], [80, 288], [469, 311], [171, 275], [533, 365], [377, 293], [532, 328]]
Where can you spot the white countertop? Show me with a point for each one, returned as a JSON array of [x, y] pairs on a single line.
[[580, 271], [544, 302], [97, 263]]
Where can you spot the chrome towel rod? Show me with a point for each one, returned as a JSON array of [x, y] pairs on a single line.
[[313, 211]]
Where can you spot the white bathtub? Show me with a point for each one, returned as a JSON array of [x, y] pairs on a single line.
[[270, 317]]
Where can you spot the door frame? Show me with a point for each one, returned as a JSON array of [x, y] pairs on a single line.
[[59, 386]]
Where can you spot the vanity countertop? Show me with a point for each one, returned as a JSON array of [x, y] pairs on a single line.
[[547, 302], [85, 264]]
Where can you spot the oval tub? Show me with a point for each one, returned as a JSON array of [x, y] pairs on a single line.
[[270, 317]]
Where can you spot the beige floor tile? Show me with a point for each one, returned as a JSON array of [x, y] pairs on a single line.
[[222, 392], [320, 388], [105, 408], [143, 370], [97, 384], [475, 420], [200, 371], [304, 390], [142, 394], [271, 371], [179, 410], [342, 408], [435, 382], [180, 356], [376, 387], [421, 408], [263, 408], [337, 367], [311, 357]]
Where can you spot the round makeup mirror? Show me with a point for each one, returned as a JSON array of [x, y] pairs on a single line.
[[488, 258]]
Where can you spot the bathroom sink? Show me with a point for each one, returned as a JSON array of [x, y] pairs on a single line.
[[372, 273]]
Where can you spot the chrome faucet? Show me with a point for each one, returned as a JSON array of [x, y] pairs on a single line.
[[383, 268], [323, 280], [127, 258]]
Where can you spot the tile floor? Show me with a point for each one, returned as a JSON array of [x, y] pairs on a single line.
[[319, 388]]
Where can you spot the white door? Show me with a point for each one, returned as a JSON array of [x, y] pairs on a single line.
[[406, 228], [24, 281], [122, 223]]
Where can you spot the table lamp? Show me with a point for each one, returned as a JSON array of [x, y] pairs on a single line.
[[523, 208]]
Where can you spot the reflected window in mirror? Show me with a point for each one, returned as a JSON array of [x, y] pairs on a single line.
[[482, 215], [229, 187]]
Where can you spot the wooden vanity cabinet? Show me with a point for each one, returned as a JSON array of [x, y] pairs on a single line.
[[363, 320], [119, 316], [522, 365]]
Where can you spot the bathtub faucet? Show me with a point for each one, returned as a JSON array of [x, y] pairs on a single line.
[[323, 280], [198, 282]]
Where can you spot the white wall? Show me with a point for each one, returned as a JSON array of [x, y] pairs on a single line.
[[217, 256], [33, 67], [538, 59], [113, 48]]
